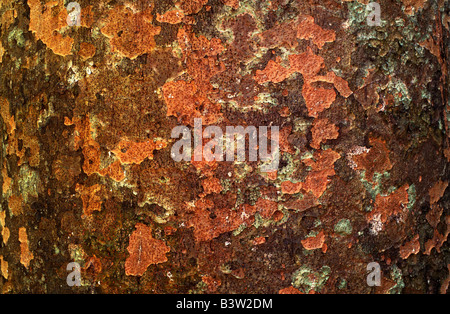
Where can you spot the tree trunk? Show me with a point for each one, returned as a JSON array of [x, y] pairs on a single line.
[[91, 94]]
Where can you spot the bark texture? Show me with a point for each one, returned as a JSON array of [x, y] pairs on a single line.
[[88, 100]]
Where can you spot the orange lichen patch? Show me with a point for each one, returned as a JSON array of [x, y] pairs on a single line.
[[286, 33], [12, 148], [446, 282], [323, 130], [412, 6], [2, 218], [15, 205], [436, 242], [191, 6], [45, 22], [307, 29], [91, 152], [93, 263], [232, 3], [129, 152], [87, 16], [82, 131], [272, 175], [317, 181], [434, 215], [201, 58], [323, 159], [308, 201], [4, 267], [307, 63], [206, 168], [2, 52], [171, 17], [281, 34], [169, 230], [207, 228], [92, 201], [273, 72], [114, 171], [438, 239], [437, 191], [92, 164], [313, 243], [447, 153], [211, 185], [278, 215], [259, 240], [322, 167], [339, 83], [179, 97], [131, 34], [317, 99], [8, 17], [411, 247], [198, 47], [290, 290], [375, 160], [390, 205], [284, 111], [5, 230], [5, 235], [8, 119], [6, 180], [25, 255], [189, 100], [211, 283], [11, 125], [288, 187], [87, 50], [184, 100], [32, 143], [284, 144], [266, 207], [144, 251], [68, 121]]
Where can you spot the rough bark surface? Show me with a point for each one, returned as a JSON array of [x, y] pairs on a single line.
[[87, 110]]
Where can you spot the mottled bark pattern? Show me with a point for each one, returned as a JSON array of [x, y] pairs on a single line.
[[86, 113]]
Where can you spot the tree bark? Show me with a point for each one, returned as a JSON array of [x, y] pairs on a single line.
[[90, 94]]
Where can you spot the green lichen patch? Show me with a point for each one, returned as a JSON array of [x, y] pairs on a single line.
[[306, 279], [343, 227]]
